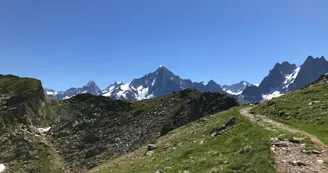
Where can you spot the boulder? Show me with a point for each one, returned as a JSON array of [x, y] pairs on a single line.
[[296, 140], [149, 153], [151, 147]]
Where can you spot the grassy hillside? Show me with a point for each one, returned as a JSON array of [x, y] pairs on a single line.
[[243, 147], [306, 109]]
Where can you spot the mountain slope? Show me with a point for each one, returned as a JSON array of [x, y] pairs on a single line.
[[306, 108], [286, 77]]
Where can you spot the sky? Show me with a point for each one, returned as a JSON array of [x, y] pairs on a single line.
[[67, 43]]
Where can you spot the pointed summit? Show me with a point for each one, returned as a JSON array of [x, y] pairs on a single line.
[[161, 67], [91, 82]]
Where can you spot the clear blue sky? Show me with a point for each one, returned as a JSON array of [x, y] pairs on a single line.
[[68, 42]]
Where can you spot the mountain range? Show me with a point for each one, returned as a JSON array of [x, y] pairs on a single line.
[[284, 77], [158, 83]]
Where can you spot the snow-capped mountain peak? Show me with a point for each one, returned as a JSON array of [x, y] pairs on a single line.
[[160, 82], [237, 88]]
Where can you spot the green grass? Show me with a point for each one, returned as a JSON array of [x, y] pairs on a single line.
[[243, 148], [306, 109]]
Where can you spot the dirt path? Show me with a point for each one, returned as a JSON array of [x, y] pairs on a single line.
[[291, 156]]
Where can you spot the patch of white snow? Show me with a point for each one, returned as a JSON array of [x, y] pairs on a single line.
[[125, 87], [43, 130], [153, 83], [51, 93], [66, 97], [289, 79], [2, 167], [271, 95], [257, 85], [142, 93], [232, 93]]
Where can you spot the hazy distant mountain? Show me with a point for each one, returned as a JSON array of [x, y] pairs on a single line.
[[91, 88], [286, 77]]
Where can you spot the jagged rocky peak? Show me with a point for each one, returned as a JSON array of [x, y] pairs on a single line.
[[284, 68], [310, 60]]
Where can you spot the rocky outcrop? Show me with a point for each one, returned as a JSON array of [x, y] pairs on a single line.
[[23, 107]]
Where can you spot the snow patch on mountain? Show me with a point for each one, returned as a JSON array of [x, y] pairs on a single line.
[[43, 130], [153, 83], [2, 167], [232, 93], [271, 95], [51, 92], [67, 97], [289, 79], [142, 93]]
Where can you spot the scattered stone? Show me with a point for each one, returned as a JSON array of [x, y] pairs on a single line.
[[320, 161], [185, 171], [149, 153], [214, 170], [298, 163], [279, 144], [273, 149], [296, 140], [159, 171], [217, 131], [151, 147], [316, 152], [113, 165]]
